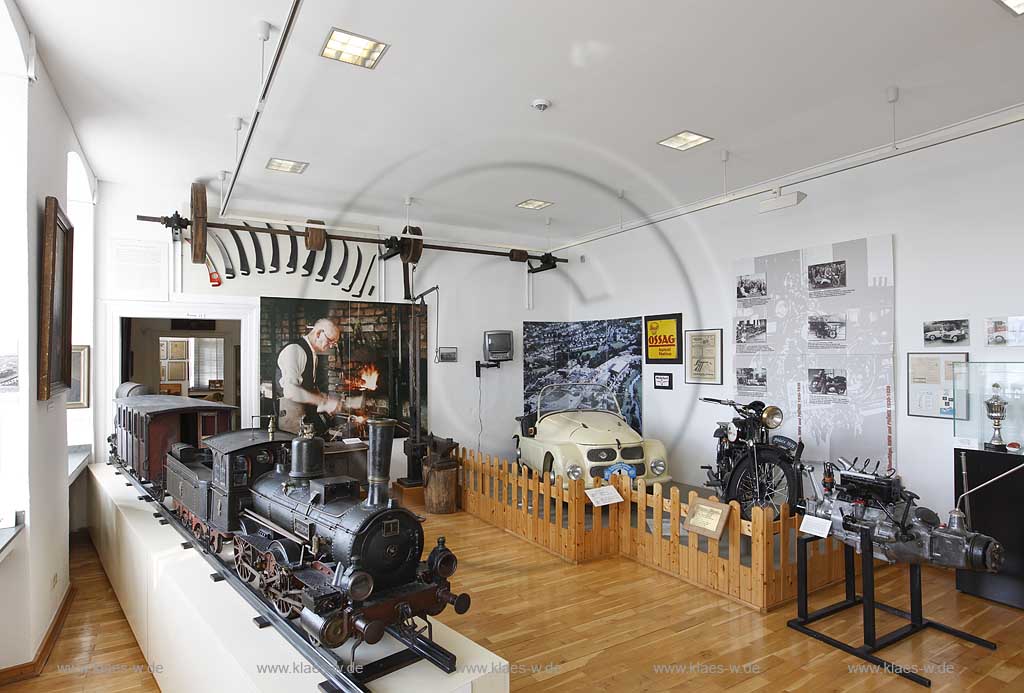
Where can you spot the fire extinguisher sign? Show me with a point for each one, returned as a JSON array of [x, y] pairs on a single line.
[[664, 338]]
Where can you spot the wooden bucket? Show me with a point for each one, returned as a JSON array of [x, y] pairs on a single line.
[[440, 488]]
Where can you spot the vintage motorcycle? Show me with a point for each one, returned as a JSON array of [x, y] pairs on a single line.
[[751, 467]]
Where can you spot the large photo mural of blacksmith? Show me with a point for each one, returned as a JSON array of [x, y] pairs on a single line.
[[339, 363], [609, 352]]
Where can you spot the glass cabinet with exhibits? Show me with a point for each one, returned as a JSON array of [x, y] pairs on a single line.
[[989, 397]]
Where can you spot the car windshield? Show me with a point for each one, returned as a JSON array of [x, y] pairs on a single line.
[[576, 396]]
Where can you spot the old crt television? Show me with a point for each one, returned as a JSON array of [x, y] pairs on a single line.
[[498, 345]]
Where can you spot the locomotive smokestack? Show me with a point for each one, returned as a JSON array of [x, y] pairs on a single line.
[[378, 461]]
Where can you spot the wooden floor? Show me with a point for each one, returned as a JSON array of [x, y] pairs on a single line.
[[96, 650], [610, 625]]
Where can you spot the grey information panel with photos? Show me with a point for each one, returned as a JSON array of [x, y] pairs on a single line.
[[813, 334]]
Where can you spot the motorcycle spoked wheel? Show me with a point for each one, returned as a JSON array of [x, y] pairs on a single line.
[[777, 481]]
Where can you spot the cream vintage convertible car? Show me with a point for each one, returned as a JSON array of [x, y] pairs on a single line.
[[577, 432]]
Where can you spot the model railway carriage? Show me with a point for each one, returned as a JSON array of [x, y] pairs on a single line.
[[146, 427]]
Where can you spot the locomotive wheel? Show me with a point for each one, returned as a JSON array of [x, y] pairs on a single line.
[[242, 565], [278, 592], [218, 543]]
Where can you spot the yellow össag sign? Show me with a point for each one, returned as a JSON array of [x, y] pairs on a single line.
[[664, 338]]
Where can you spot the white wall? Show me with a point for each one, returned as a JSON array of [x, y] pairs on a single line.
[[51, 137], [15, 647], [39, 582], [955, 211]]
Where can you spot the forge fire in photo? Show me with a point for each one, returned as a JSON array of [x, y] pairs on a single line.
[[338, 364]]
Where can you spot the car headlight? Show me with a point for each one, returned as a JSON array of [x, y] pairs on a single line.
[[771, 417], [574, 472], [658, 467]]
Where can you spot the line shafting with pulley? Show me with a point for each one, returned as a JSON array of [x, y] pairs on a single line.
[[409, 246]]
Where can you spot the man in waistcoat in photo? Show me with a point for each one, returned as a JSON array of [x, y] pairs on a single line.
[[300, 387]]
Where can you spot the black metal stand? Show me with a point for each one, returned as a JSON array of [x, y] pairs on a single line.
[[872, 642]]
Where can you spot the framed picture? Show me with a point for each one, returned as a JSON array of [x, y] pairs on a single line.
[[78, 395], [664, 335], [163, 350], [163, 372], [930, 391], [54, 369], [177, 350], [662, 381], [704, 357], [177, 370]]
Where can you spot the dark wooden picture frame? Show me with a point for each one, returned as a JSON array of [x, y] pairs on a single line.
[[53, 374]]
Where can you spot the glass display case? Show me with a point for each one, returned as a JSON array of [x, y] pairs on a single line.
[[989, 413]]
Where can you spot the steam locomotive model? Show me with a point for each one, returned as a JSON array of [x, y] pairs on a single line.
[[900, 531], [348, 569]]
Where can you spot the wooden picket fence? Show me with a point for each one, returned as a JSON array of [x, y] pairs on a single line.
[[754, 563]]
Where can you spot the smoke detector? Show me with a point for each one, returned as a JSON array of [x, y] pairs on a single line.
[[540, 105]]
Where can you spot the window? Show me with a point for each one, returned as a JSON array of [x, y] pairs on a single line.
[[208, 362]]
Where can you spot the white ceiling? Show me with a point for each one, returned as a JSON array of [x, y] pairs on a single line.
[[151, 87]]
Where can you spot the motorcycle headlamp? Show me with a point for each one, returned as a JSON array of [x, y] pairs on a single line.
[[771, 417]]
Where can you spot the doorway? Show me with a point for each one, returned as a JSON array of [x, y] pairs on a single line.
[[192, 358]]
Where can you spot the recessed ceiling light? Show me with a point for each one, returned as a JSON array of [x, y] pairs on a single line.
[[1015, 6], [686, 140], [534, 204], [287, 165], [353, 49]]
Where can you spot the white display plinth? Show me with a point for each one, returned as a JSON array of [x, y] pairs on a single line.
[[199, 635]]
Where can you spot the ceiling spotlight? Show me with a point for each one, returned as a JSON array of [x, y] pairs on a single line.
[[287, 165], [685, 140], [353, 49], [534, 204], [780, 201], [1015, 6], [540, 105]]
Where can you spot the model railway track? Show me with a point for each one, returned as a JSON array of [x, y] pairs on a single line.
[[340, 676]]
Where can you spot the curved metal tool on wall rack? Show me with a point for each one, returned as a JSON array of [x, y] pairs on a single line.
[[211, 267], [326, 266], [340, 274], [369, 271], [275, 250], [359, 267], [261, 268], [293, 253], [243, 261], [229, 265]]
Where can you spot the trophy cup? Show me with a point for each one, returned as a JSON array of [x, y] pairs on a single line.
[[995, 409]]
